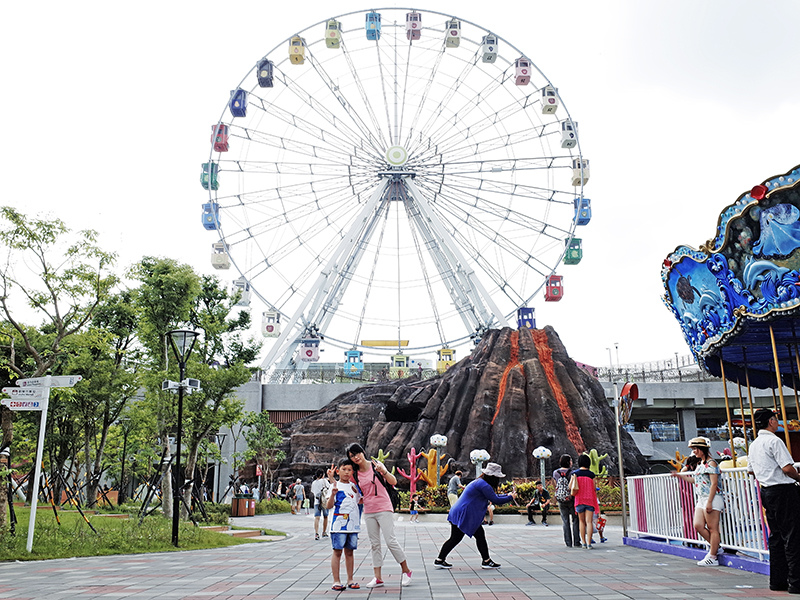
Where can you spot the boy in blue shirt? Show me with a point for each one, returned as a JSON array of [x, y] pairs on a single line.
[[346, 522]]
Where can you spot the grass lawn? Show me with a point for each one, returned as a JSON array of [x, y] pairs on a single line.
[[74, 537]]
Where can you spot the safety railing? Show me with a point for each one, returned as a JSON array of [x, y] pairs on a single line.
[[662, 506]]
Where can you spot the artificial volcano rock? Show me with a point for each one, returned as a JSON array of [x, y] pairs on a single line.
[[517, 390]]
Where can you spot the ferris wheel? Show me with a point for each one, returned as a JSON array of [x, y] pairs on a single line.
[[393, 175]]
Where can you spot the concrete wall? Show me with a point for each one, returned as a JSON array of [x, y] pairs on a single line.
[[277, 396]]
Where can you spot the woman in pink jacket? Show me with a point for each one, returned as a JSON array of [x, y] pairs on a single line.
[[585, 500]]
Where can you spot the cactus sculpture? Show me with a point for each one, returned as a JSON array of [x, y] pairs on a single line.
[[413, 475], [595, 459], [679, 461], [429, 474], [382, 457]]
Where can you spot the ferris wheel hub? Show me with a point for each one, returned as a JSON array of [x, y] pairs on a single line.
[[397, 156]]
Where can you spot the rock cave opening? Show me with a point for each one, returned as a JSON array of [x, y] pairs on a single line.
[[403, 414]]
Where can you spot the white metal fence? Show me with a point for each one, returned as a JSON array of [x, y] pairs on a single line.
[[662, 506]]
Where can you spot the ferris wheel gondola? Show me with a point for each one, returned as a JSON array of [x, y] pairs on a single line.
[[402, 185]]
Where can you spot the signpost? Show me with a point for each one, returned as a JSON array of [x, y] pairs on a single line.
[[34, 394]]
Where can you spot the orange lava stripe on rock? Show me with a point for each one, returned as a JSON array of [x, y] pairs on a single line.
[[513, 361], [546, 360]]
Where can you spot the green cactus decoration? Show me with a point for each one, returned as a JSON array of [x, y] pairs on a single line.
[[381, 458], [595, 459]]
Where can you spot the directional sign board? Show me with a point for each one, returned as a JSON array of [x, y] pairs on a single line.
[[55, 381], [23, 393], [14, 404]]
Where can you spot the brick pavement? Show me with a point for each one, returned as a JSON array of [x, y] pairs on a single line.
[[536, 564]]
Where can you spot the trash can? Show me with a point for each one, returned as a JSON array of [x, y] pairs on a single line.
[[240, 506]]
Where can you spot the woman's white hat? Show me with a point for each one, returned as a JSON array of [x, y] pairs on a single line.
[[494, 470]]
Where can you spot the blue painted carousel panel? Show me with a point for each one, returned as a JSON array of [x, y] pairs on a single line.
[[780, 231]]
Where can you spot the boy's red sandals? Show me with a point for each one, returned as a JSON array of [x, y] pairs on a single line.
[[338, 587], [354, 586]]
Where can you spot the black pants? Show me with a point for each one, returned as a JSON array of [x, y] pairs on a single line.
[[535, 508], [456, 535], [781, 503], [571, 533]]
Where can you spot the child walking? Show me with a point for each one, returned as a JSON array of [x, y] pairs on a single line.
[[413, 509], [346, 522]]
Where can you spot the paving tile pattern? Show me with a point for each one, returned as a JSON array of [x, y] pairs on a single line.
[[535, 564]]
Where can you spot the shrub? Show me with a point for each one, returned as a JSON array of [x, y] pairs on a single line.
[[273, 506], [218, 514]]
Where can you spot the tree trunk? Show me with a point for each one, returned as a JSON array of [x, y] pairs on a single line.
[[166, 482], [191, 464], [6, 431]]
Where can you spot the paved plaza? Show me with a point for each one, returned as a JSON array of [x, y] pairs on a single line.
[[535, 564]]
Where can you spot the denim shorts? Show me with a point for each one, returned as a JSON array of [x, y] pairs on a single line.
[[340, 540], [579, 508], [319, 511]]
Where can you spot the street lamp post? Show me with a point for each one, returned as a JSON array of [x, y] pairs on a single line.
[[542, 454], [618, 427], [477, 457], [182, 342], [220, 440], [438, 441]]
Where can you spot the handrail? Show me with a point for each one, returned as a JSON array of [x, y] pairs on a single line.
[[663, 506]]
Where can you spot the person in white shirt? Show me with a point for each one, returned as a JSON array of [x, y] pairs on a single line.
[[320, 489], [772, 465], [344, 499]]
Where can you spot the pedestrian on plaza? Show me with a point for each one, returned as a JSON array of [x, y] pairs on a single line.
[[256, 493], [320, 491], [709, 504], [773, 467], [566, 502], [466, 516], [370, 476], [298, 495], [539, 502], [413, 509], [346, 523], [585, 500], [454, 487]]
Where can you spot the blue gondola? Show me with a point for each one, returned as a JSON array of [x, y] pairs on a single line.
[[526, 317], [238, 103], [353, 363], [211, 215], [264, 73], [373, 26], [583, 210]]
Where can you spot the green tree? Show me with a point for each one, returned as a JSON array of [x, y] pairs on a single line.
[[164, 301], [62, 276], [107, 358], [263, 438], [220, 362]]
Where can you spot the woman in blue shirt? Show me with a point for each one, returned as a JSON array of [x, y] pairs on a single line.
[[466, 516]]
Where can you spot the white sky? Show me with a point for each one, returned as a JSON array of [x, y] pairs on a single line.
[[682, 106]]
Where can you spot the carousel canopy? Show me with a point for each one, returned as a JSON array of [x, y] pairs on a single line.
[[737, 298]]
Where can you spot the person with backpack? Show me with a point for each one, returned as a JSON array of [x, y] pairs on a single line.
[[371, 477], [320, 491], [566, 502]]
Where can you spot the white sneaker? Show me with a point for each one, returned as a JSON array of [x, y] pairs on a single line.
[[375, 583], [405, 579], [708, 561]]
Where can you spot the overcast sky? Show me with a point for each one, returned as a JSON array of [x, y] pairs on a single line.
[[682, 105]]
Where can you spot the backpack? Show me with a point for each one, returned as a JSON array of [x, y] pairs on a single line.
[[562, 488]]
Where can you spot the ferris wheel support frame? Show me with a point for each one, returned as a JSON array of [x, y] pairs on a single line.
[[319, 291], [487, 310], [472, 301]]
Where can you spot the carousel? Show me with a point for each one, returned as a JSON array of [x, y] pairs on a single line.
[[737, 300]]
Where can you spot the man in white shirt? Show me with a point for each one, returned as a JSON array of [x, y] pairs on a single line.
[[773, 467]]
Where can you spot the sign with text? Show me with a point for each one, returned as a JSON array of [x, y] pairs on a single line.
[[22, 404], [23, 393], [55, 381]]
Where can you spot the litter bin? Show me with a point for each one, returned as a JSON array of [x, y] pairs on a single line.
[[241, 506]]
